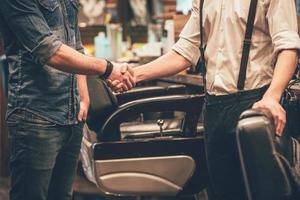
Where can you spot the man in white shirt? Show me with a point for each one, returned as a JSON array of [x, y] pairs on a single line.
[[272, 62]]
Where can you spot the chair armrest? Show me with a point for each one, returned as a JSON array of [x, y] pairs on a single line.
[[256, 113], [149, 91], [189, 104], [264, 174]]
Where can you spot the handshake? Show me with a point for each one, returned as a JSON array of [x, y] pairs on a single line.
[[122, 78]]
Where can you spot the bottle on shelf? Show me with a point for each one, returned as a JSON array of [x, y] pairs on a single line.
[[102, 47]]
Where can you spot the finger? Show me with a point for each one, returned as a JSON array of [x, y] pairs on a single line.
[[130, 70], [132, 81], [125, 87], [119, 88], [256, 105], [115, 85], [85, 115], [278, 124], [279, 129], [80, 115], [276, 121], [126, 80], [282, 123], [109, 83], [124, 68]]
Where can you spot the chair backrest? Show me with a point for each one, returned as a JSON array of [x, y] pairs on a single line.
[[150, 91], [265, 176], [191, 105], [3, 75], [102, 103]]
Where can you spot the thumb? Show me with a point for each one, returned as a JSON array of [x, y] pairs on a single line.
[[80, 115], [130, 70], [124, 68], [84, 115]]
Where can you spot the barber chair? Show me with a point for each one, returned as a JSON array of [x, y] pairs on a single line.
[[163, 162], [3, 75], [142, 123], [267, 173], [150, 91]]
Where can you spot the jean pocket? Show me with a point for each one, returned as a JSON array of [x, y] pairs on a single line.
[[14, 118], [36, 121], [22, 117]]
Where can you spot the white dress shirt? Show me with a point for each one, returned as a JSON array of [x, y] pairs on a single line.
[[224, 22]]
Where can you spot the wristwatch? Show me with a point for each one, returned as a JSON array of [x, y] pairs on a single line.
[[108, 70]]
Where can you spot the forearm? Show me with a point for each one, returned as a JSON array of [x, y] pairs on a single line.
[[284, 70], [166, 65], [69, 60], [82, 88]]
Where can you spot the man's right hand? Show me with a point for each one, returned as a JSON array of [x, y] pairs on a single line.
[[122, 78]]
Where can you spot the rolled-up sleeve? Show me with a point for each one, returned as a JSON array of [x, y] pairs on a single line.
[[189, 42], [30, 28], [282, 20]]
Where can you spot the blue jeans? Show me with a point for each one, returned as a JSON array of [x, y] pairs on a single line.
[[43, 157], [221, 115]]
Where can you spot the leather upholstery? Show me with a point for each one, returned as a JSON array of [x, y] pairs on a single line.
[[100, 111], [148, 166], [264, 172], [150, 91], [110, 130]]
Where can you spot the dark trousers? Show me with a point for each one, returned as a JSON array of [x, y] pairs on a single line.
[[221, 114], [43, 157]]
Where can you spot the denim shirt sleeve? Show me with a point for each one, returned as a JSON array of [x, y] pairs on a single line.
[[26, 21], [79, 46]]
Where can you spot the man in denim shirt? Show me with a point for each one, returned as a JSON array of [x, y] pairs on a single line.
[[47, 100]]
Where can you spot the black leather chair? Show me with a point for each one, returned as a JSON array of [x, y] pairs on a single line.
[[3, 74], [171, 163], [268, 175], [99, 112], [150, 91]]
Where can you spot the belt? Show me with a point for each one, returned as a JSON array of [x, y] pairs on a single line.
[[237, 96]]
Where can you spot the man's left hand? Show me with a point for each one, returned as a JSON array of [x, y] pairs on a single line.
[[276, 110], [83, 112]]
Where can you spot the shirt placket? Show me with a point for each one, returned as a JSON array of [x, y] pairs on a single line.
[[220, 50], [71, 99]]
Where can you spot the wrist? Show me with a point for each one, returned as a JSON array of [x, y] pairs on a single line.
[[274, 94], [108, 69], [139, 74]]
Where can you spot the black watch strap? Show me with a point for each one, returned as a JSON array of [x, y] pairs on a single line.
[[108, 70]]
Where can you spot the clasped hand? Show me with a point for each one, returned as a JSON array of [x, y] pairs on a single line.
[[122, 78]]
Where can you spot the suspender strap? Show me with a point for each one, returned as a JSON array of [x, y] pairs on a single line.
[[202, 46], [247, 45]]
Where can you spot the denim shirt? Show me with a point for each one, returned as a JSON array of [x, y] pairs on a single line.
[[33, 31]]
